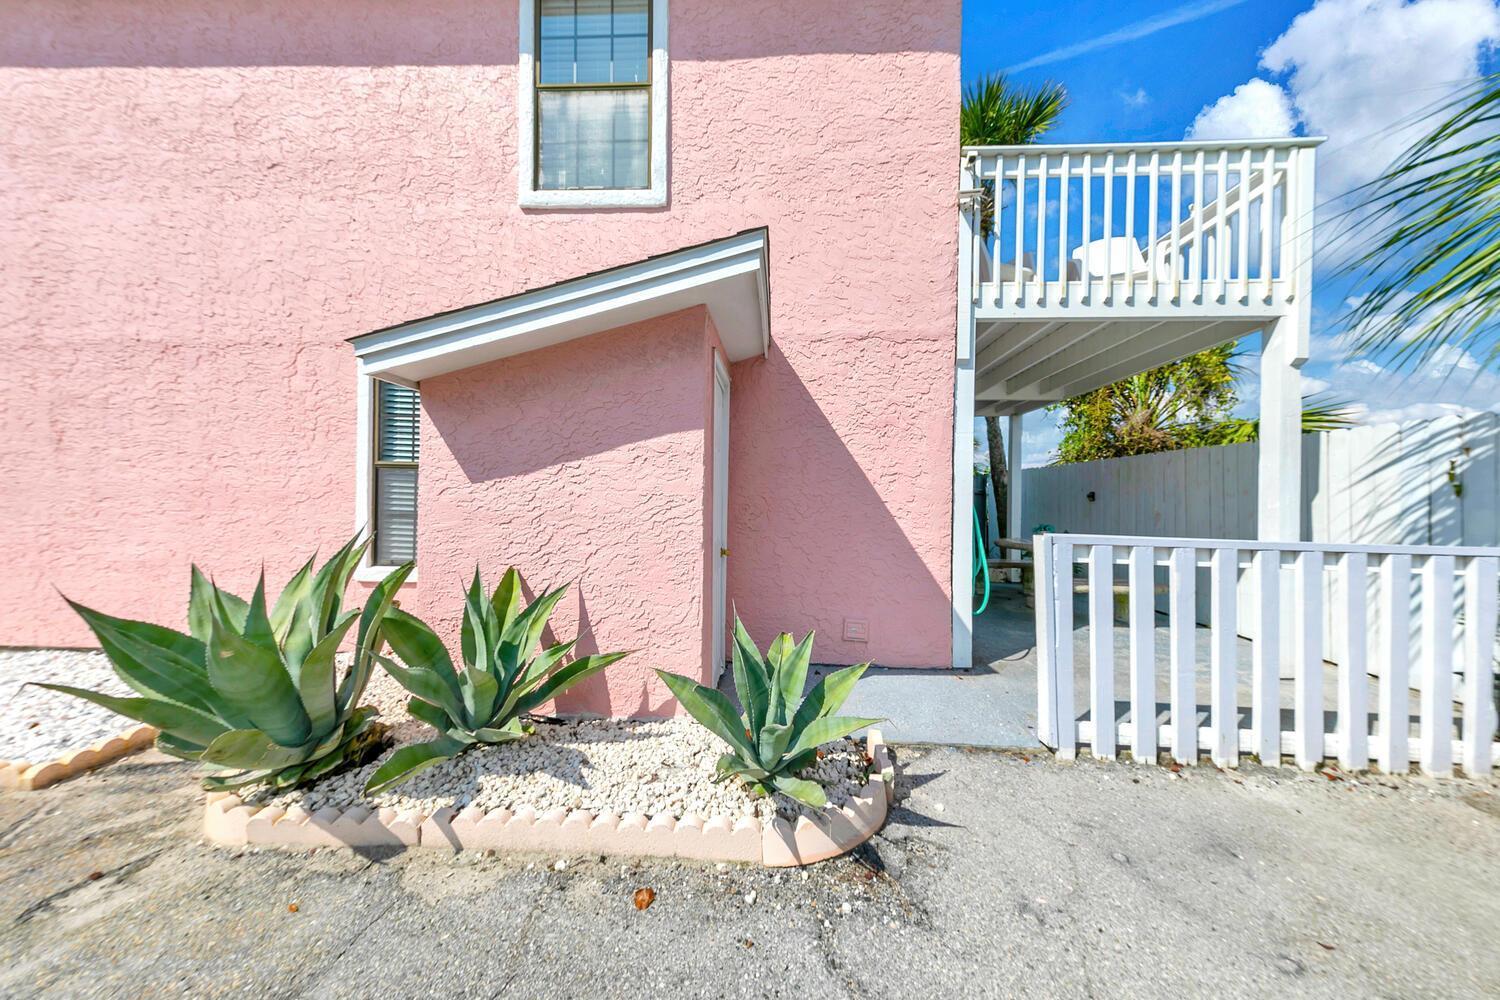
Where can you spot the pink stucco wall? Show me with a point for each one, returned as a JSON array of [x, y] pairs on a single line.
[[202, 200], [581, 463]]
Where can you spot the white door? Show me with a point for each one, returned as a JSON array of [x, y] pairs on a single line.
[[720, 540]]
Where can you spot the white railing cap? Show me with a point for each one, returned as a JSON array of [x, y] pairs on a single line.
[[1287, 142], [1255, 545]]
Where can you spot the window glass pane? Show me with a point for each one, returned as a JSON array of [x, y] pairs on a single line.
[[595, 139], [594, 41], [399, 430], [395, 516]]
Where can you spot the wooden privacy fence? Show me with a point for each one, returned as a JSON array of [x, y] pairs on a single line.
[[1289, 584]]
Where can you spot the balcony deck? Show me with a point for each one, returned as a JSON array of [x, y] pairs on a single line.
[[1090, 263]]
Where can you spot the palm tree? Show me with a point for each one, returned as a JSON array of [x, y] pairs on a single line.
[[995, 113], [1433, 229]]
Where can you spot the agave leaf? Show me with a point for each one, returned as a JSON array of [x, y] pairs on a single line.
[[426, 711], [322, 764], [257, 625], [202, 596], [371, 634], [344, 564], [421, 649], [471, 632], [300, 637], [292, 595], [315, 678], [512, 730], [179, 748], [543, 664], [416, 643], [525, 632], [411, 760], [230, 782], [177, 720], [712, 710], [826, 730], [792, 672], [751, 681], [507, 599], [771, 743], [809, 793], [480, 694], [429, 687], [253, 750], [828, 695], [252, 679], [579, 670], [155, 661]]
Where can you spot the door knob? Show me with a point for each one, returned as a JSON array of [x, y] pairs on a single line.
[[724, 553]]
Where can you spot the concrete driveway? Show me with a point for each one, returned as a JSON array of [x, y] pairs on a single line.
[[999, 874]]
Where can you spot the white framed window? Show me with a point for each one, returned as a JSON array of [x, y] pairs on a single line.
[[389, 427], [593, 103]]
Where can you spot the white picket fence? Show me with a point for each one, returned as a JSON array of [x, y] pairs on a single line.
[[1290, 584]]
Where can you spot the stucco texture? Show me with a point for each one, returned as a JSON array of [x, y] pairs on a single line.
[[584, 463], [201, 201]]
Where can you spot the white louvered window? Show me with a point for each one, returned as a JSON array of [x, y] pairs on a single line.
[[593, 94], [395, 495]]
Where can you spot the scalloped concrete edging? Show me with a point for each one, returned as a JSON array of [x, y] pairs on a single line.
[[230, 822], [20, 775]]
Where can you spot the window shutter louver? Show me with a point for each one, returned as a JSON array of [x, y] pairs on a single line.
[[397, 438]]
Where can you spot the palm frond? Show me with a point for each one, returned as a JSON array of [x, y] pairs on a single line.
[[1432, 229]]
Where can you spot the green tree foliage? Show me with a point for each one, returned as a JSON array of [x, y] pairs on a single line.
[[1185, 404]]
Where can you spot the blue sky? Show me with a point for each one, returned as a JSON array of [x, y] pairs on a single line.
[[1365, 73]]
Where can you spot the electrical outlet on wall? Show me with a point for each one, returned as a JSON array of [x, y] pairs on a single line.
[[856, 630]]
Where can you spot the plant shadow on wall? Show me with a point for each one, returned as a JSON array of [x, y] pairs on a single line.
[[551, 438], [448, 33]]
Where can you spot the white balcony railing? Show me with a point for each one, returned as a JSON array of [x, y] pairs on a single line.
[[1153, 224]]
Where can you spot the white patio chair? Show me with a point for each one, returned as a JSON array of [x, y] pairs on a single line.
[[1118, 256]]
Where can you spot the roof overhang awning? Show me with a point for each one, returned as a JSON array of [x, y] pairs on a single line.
[[730, 276]]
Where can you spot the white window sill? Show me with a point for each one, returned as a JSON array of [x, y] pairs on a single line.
[[374, 574], [596, 198]]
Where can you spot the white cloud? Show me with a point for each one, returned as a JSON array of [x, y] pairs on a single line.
[[1137, 98], [1257, 109], [1364, 366], [1447, 360], [1365, 73], [1312, 386]]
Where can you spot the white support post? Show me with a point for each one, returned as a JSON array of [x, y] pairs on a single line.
[[962, 580], [1354, 711], [1223, 666], [1307, 601], [1046, 643], [1393, 749], [1102, 649], [1143, 654], [1437, 665], [1265, 689], [1280, 485], [1480, 582], [1180, 628], [1062, 625], [1016, 528]]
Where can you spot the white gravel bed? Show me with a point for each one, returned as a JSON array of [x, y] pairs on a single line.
[[37, 726], [599, 765]]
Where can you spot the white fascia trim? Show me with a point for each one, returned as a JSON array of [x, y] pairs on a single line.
[[581, 305], [653, 197]]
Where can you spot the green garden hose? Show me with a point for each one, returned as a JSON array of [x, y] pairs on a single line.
[[984, 564]]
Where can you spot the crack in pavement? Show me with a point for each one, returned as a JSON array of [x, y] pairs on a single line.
[[115, 875]]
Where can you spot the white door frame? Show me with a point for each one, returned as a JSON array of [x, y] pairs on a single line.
[[719, 541]]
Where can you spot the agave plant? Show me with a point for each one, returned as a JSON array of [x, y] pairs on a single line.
[[254, 694], [505, 675], [779, 732]]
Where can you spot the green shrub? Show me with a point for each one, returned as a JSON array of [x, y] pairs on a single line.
[[254, 694], [779, 732], [505, 676]]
